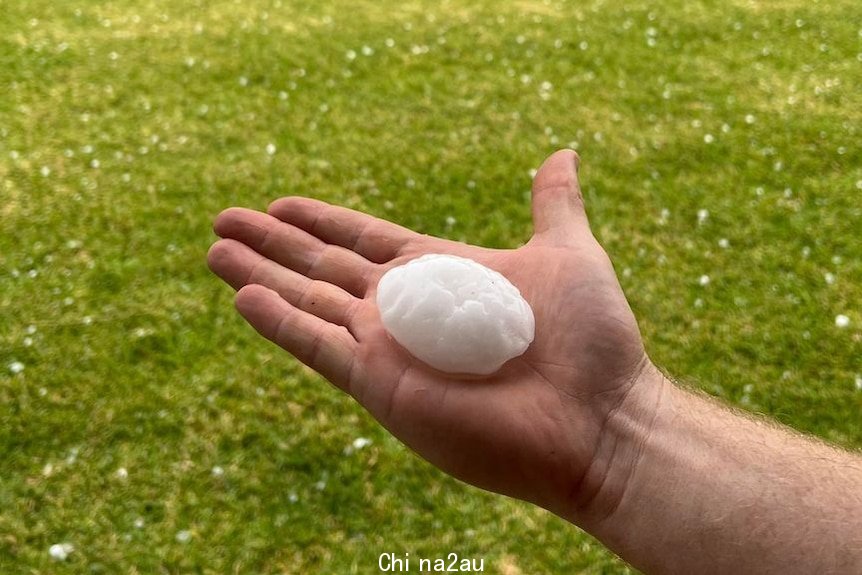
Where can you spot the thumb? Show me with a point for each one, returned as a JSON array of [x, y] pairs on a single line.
[[558, 207]]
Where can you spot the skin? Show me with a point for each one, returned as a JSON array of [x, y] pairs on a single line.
[[581, 424]]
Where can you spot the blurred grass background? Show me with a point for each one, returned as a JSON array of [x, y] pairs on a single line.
[[143, 423]]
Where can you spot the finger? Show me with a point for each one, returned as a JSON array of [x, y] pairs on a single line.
[[558, 207], [239, 265], [326, 348], [373, 238], [296, 249]]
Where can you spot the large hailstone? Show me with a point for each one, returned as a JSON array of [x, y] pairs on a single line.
[[454, 314]]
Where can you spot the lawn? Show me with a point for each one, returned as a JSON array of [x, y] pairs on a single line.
[[146, 425]]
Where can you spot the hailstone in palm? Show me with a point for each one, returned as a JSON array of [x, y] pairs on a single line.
[[455, 314]]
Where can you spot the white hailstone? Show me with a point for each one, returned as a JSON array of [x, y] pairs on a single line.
[[293, 497], [829, 278], [361, 442], [367, 51], [842, 320], [184, 536], [16, 367], [122, 473], [702, 216], [455, 314], [858, 382], [703, 280], [217, 471], [60, 551], [450, 221], [139, 523], [709, 138], [270, 149], [350, 55], [749, 119], [723, 243]]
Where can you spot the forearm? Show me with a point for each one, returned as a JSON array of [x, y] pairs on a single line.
[[694, 487]]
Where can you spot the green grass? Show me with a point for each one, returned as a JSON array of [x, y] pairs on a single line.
[[126, 126]]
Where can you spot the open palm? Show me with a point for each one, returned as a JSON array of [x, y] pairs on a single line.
[[307, 274]]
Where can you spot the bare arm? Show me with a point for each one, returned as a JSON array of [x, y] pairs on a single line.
[[582, 424], [697, 488]]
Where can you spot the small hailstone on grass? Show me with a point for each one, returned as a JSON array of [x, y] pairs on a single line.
[[703, 280], [60, 551], [455, 314], [723, 243], [139, 523], [858, 382], [829, 278], [709, 138], [702, 216], [361, 442], [122, 473], [184, 536], [270, 149], [842, 320], [16, 367], [217, 471]]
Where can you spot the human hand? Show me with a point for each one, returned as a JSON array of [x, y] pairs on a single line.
[[539, 428]]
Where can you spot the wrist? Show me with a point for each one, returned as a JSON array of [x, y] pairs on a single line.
[[627, 423]]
